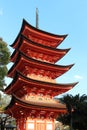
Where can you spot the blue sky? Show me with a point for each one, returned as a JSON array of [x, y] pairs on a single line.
[[58, 17]]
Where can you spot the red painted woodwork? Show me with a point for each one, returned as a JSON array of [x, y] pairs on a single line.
[[39, 36], [34, 50], [32, 66], [34, 72], [27, 85]]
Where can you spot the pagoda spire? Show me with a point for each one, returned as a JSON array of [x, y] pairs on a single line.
[[36, 17]]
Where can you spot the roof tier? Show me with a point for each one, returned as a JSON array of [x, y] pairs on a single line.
[[20, 108], [39, 36], [38, 51], [21, 85], [27, 65]]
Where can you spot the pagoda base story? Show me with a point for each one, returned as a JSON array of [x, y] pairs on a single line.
[[35, 124]]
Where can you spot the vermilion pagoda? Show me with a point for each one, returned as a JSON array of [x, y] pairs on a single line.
[[34, 72]]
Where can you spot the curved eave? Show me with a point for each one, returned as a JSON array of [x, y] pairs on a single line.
[[19, 81], [49, 35], [20, 108], [24, 60], [25, 42], [43, 33], [32, 104]]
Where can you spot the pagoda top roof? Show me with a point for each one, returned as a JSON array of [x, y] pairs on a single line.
[[40, 33], [26, 44], [54, 36], [20, 80]]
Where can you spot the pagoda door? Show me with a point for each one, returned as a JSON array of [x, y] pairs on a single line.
[[44, 125], [40, 126]]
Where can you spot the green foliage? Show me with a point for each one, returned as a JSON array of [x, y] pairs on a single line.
[[4, 52], [76, 111], [4, 99], [2, 83], [3, 72], [4, 60], [4, 118]]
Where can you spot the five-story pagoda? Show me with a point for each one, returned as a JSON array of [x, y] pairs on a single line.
[[34, 72]]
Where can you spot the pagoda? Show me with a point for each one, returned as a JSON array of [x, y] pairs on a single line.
[[34, 72]]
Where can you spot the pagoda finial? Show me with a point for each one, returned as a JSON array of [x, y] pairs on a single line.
[[36, 17]]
